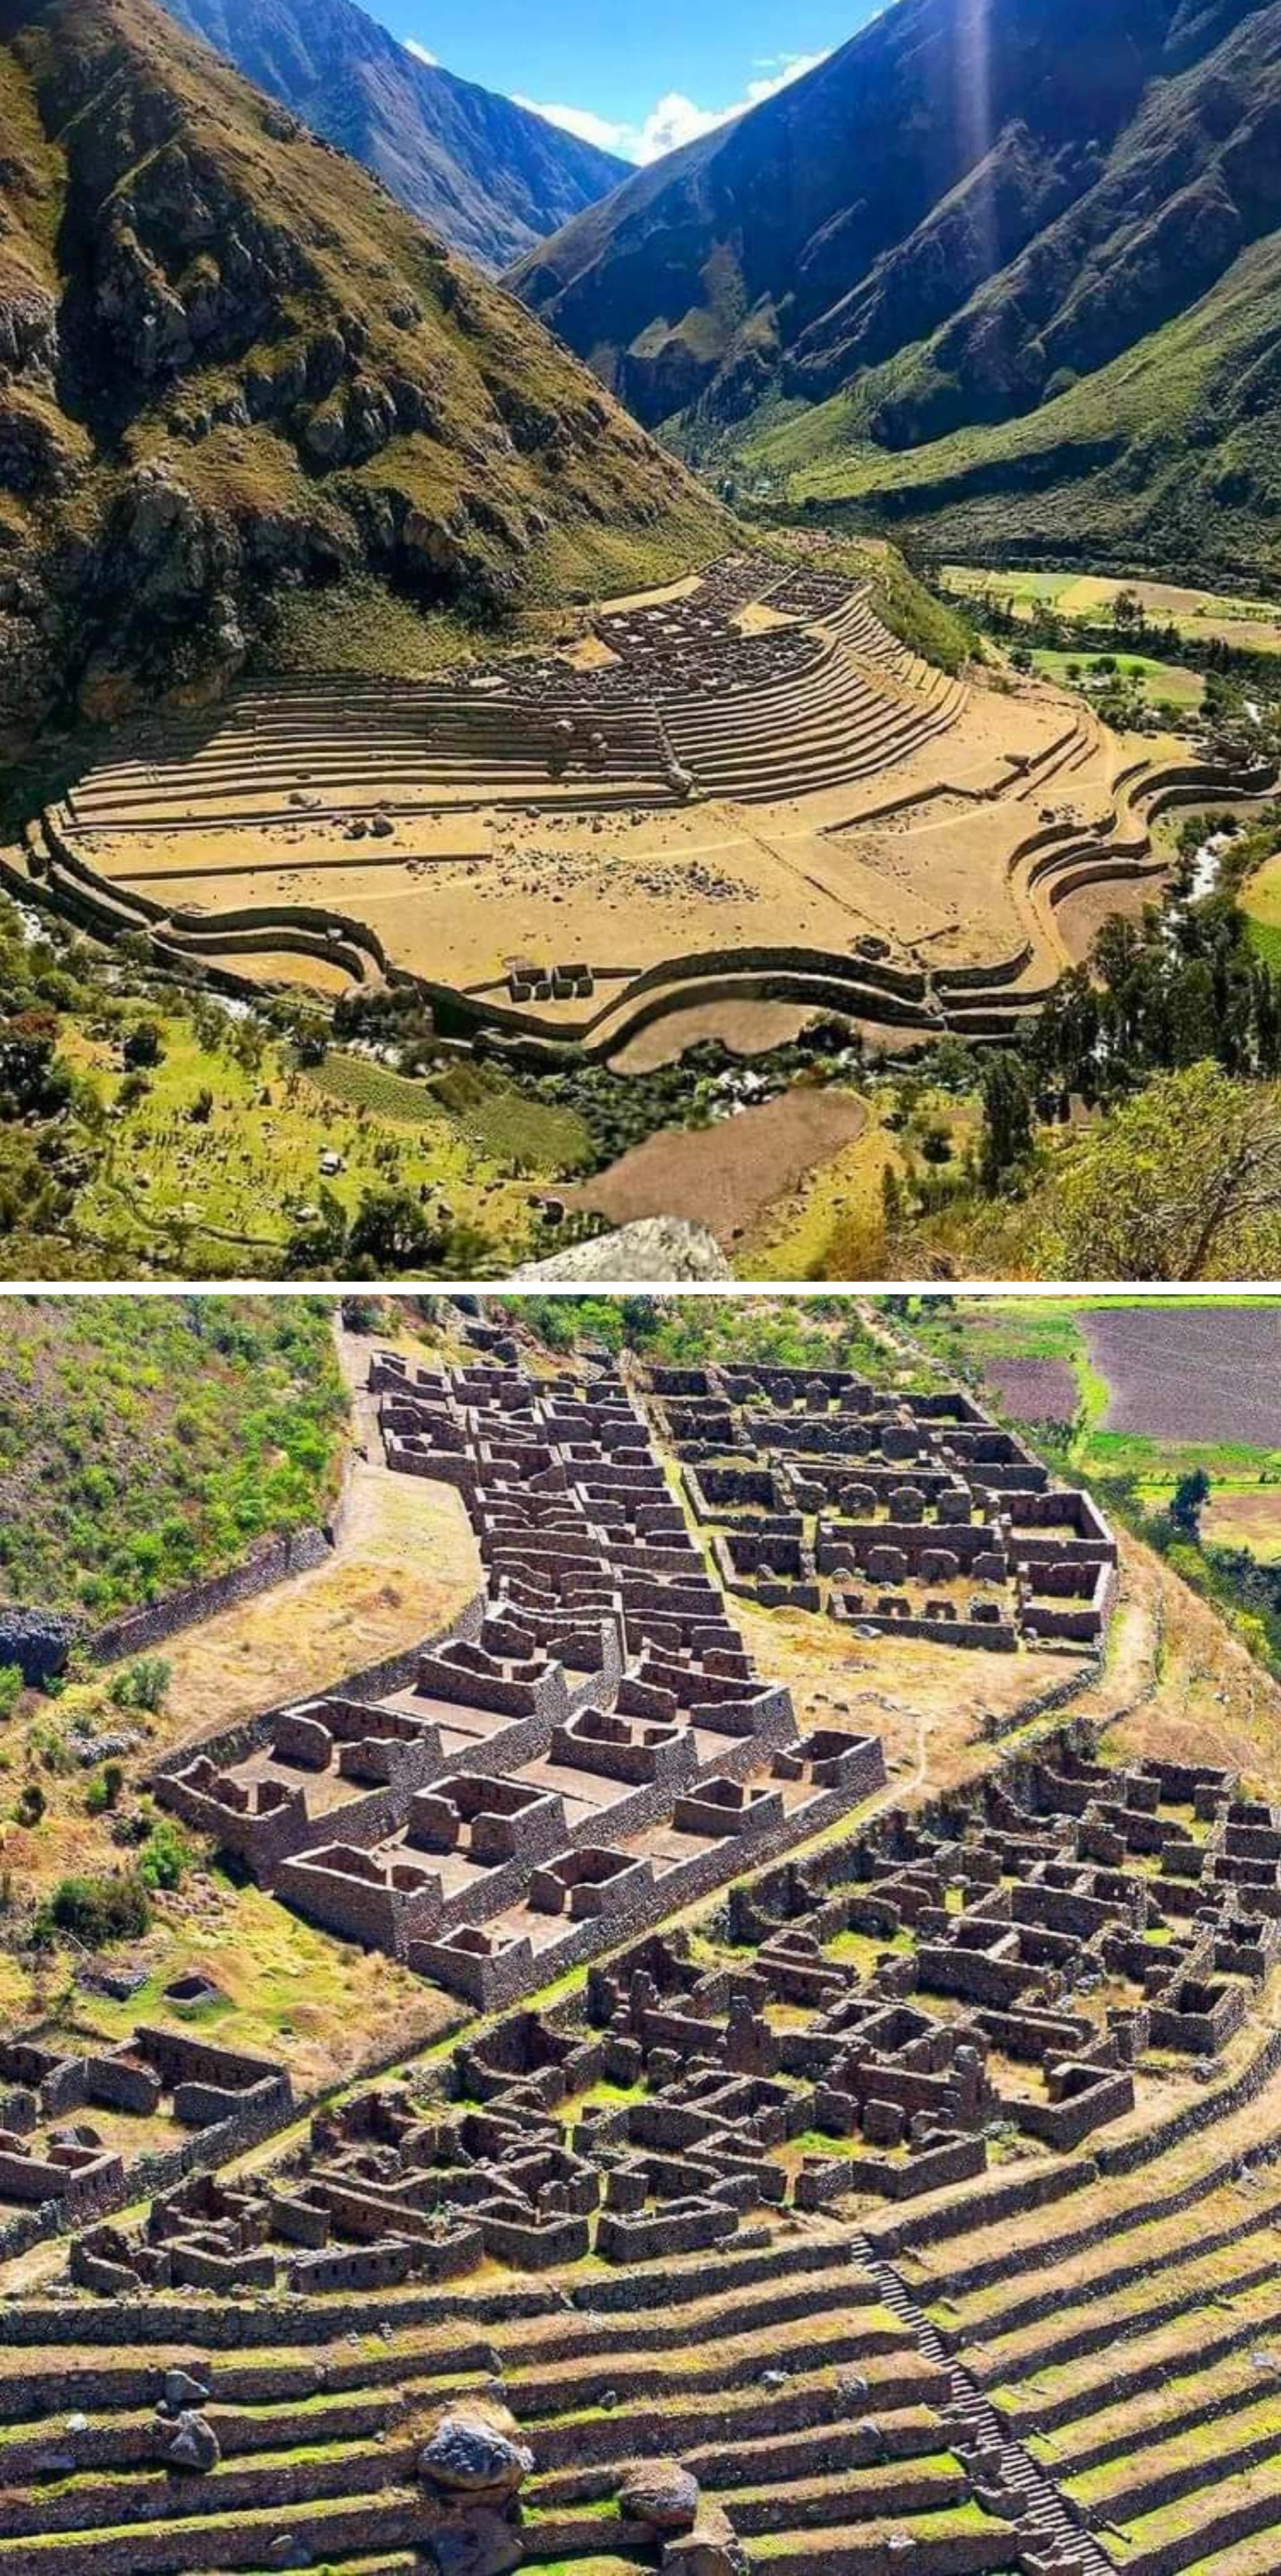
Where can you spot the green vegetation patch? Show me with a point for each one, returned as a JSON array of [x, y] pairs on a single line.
[[146, 1443]]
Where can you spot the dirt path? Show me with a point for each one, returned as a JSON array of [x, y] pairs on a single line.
[[726, 1176], [405, 1561]]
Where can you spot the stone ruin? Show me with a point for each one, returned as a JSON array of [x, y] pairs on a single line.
[[590, 1745], [913, 1516], [69, 2102], [1003, 1962]]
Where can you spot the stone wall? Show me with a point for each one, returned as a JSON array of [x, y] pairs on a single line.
[[271, 1562]]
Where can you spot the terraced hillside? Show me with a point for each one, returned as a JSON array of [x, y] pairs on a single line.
[[238, 378], [741, 786]]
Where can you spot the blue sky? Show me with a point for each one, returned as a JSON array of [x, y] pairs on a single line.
[[637, 79]]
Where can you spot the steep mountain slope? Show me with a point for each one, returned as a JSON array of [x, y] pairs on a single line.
[[232, 371], [488, 176], [951, 228]]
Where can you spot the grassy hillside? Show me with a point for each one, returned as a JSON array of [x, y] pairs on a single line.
[[233, 371], [1171, 454], [1011, 274], [213, 1158], [145, 1442]]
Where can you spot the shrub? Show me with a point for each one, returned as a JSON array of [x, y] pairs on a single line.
[[10, 1688], [141, 1684], [31, 1803], [103, 1793], [115, 1907], [142, 1046], [166, 1857]]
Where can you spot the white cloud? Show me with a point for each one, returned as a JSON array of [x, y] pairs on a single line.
[[419, 52], [580, 121], [673, 119]]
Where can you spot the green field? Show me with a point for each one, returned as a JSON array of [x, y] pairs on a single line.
[[1260, 901], [1088, 599], [968, 1332], [1159, 682]]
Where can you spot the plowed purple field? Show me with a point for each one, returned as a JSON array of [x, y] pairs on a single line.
[[1033, 1390], [1185, 1372]]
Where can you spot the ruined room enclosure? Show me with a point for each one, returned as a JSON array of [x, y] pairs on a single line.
[[738, 793]]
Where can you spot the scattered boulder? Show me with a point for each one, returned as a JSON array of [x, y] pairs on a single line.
[[479, 2544], [182, 2391], [468, 2456], [712, 2548], [653, 1248], [191, 2443], [662, 2494]]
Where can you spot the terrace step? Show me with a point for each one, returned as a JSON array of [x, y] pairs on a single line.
[[1146, 2364], [1076, 2329], [813, 2502], [187, 2546], [603, 2437], [1119, 2260], [1202, 2396], [959, 2545], [778, 2459], [735, 2361]]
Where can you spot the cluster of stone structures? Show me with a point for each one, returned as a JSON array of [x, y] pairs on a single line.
[[589, 1747], [76, 2112], [766, 2244], [909, 1514], [682, 700], [1002, 1965]]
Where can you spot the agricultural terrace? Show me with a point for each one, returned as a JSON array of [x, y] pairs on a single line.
[[739, 792]]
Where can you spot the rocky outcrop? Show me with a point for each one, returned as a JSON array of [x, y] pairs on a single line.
[[472, 2471], [711, 2548], [661, 2494], [469, 2456], [655, 1248]]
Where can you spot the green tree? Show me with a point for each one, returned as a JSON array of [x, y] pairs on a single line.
[[143, 1046], [391, 1234], [1007, 1117], [1182, 1182], [1191, 1494]]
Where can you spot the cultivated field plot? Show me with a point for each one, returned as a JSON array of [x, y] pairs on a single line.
[[1245, 1516], [1199, 1373], [748, 792], [1034, 1390], [1261, 904], [1160, 683], [1255, 624]]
